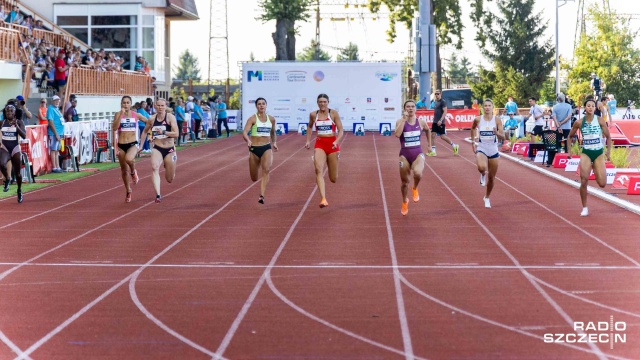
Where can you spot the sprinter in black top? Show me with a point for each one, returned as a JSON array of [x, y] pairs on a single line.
[[10, 147]]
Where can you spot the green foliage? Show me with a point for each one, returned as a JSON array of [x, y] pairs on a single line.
[[515, 47], [548, 91], [349, 53], [608, 51], [178, 92], [499, 84], [292, 10], [459, 70], [234, 100], [188, 67], [620, 157], [313, 53], [576, 149]]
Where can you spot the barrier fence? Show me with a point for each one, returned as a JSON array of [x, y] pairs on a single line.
[[86, 81], [9, 45]]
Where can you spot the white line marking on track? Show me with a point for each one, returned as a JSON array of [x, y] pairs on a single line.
[[13, 346], [404, 325]]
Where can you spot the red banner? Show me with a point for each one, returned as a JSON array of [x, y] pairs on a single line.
[[455, 118], [39, 143]]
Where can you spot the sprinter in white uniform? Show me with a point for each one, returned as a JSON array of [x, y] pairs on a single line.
[[262, 129], [486, 133]]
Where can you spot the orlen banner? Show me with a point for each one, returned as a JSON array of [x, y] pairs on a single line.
[[455, 118], [38, 140], [369, 93]]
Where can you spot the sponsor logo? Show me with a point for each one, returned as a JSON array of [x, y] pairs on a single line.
[[363, 118], [347, 101], [302, 109], [318, 76], [592, 332], [282, 101], [281, 108], [389, 109], [252, 101], [386, 76], [260, 75], [386, 100], [296, 76]]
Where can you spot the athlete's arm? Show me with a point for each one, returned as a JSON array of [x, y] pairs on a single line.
[[141, 117], [500, 129], [474, 128], [22, 131], [572, 133], [427, 131], [247, 128], [147, 126], [174, 133], [338, 122], [607, 135], [312, 119], [116, 125], [399, 126], [273, 133]]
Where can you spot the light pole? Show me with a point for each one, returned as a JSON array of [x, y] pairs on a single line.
[[564, 2]]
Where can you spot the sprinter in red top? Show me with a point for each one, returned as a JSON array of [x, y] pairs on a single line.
[[326, 150]]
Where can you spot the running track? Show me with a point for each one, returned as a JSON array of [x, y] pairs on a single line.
[[211, 274]]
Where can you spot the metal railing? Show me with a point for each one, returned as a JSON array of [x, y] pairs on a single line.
[[86, 81]]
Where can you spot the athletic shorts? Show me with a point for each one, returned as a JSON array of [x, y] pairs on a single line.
[[127, 146], [439, 129], [260, 150], [326, 144]]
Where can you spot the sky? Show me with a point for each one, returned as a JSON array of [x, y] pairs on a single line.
[[247, 35]]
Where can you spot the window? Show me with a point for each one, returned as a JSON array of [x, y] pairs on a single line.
[[118, 38], [72, 20], [114, 20]]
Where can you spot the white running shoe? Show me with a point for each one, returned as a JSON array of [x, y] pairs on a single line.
[[585, 212], [483, 179], [487, 203]]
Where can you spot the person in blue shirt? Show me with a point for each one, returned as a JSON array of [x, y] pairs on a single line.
[[422, 104], [510, 125], [561, 115], [613, 103], [180, 116], [511, 106], [56, 131], [197, 118], [142, 110], [221, 109]]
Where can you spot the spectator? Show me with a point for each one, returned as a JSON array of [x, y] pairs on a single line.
[[476, 106], [3, 15], [150, 108], [60, 72], [42, 112], [613, 103], [179, 113], [46, 77], [13, 15], [68, 104], [197, 118], [597, 85], [142, 110], [72, 114], [511, 106], [28, 22], [38, 25], [56, 131], [88, 58], [422, 104], [536, 113], [24, 112], [221, 109], [562, 117], [511, 125], [139, 64]]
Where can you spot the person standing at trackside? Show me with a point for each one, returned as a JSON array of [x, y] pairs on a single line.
[[12, 128], [61, 69], [197, 118], [262, 129], [56, 130], [327, 147], [561, 115], [42, 113], [511, 106], [438, 127], [164, 129], [408, 130], [597, 85], [144, 142], [612, 104], [180, 117], [221, 110], [485, 132], [593, 155], [125, 128], [72, 114], [537, 114]]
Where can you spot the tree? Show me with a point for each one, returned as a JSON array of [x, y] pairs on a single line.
[[459, 71], [446, 15], [499, 84], [609, 52], [285, 13], [234, 100], [349, 53], [313, 53], [515, 44], [188, 67]]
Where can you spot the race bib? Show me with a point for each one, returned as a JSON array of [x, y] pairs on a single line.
[[157, 132], [592, 142], [411, 138], [9, 133], [487, 136]]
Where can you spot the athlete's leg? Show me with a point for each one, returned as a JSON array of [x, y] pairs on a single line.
[[483, 164], [319, 160], [124, 171], [254, 166], [600, 171], [156, 162], [130, 158], [493, 170], [332, 163], [405, 171], [585, 171], [16, 161], [265, 165], [170, 166], [417, 167], [5, 157]]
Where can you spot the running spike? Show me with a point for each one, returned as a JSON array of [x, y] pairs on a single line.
[[323, 203], [416, 196], [20, 197], [134, 177], [261, 199], [127, 199], [158, 199], [405, 208], [6, 185]]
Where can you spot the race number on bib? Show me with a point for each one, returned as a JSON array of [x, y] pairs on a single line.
[[158, 132]]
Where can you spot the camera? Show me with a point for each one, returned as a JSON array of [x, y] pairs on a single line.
[[630, 103]]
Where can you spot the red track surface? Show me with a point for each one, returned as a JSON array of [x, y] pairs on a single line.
[[211, 273]]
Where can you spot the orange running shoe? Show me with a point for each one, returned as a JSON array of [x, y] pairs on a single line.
[[416, 196], [134, 177], [323, 203], [405, 207], [128, 198]]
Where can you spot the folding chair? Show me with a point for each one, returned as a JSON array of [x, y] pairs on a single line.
[[186, 130], [101, 143], [552, 142], [25, 156], [68, 154]]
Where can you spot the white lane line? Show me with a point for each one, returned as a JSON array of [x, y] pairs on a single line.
[[13, 346], [136, 274], [86, 308], [404, 325], [96, 194], [515, 261], [417, 267], [252, 296]]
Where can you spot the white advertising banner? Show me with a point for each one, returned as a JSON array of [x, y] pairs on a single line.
[[369, 93]]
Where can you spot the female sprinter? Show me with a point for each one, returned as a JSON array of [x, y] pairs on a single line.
[[125, 125], [164, 129], [593, 155], [263, 138], [10, 147], [326, 150], [487, 129], [409, 129]]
